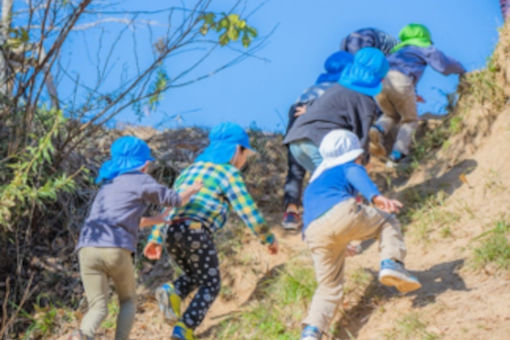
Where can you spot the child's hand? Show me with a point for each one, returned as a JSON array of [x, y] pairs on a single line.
[[152, 251], [386, 204], [190, 191], [273, 247], [300, 110], [352, 249]]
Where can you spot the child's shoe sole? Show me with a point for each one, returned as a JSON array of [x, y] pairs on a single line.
[[403, 283], [375, 146], [164, 306]]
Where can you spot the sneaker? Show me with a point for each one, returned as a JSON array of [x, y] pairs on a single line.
[[169, 302], [376, 145], [394, 274], [291, 221], [181, 332], [396, 156], [310, 333]]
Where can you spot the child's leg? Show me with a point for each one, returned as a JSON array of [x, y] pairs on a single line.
[[294, 181], [122, 273], [404, 100], [95, 282], [306, 154], [385, 123], [374, 223], [328, 263], [205, 265], [326, 238], [180, 253]]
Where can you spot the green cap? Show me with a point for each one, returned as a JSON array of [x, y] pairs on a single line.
[[413, 35]]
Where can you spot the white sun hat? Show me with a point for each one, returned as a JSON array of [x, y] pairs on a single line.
[[337, 147]]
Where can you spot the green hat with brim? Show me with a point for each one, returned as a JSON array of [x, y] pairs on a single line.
[[413, 35]]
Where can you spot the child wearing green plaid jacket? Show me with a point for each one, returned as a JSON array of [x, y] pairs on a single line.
[[190, 228]]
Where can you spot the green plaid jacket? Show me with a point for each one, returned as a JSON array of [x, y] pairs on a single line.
[[224, 189]]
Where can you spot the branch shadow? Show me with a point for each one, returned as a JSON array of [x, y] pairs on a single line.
[[435, 281], [448, 182]]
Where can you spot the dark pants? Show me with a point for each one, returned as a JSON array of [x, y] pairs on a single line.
[[293, 187], [194, 252]]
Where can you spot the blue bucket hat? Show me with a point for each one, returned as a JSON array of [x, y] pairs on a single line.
[[334, 65], [223, 141], [366, 73], [128, 153]]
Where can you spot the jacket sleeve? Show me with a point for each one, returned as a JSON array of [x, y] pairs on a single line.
[[244, 206], [156, 193], [357, 176], [364, 112], [444, 64]]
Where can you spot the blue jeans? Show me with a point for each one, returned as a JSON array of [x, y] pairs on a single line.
[[306, 154]]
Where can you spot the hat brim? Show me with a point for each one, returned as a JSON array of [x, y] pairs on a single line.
[[329, 163], [369, 91]]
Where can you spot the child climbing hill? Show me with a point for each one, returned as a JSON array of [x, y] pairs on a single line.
[[398, 97], [295, 172], [109, 235], [339, 219], [190, 228]]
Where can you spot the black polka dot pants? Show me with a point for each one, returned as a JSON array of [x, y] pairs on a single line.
[[194, 252]]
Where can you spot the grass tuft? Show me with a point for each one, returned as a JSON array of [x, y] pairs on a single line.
[[494, 247]]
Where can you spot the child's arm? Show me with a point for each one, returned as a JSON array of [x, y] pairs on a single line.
[[444, 64], [162, 195], [190, 191], [158, 219], [359, 179], [365, 111], [243, 204]]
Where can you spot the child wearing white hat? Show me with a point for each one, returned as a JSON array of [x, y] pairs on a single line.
[[333, 218]]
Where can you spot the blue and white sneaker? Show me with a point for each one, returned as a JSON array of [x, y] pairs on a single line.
[[394, 158], [169, 302], [310, 333], [394, 274]]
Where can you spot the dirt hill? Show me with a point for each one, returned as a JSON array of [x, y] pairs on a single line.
[[456, 220]]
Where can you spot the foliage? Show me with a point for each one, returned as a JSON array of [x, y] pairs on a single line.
[[288, 292], [27, 184], [494, 247], [410, 327], [230, 27]]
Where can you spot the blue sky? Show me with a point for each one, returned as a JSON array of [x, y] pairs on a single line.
[[260, 90]]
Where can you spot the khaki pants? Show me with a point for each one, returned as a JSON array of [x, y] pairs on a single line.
[[96, 266], [327, 238], [397, 100]]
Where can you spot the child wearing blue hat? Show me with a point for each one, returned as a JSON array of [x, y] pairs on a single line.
[[109, 235], [189, 237], [339, 219], [296, 173], [349, 104]]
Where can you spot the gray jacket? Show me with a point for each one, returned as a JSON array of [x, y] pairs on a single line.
[[338, 108], [119, 205], [412, 61]]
